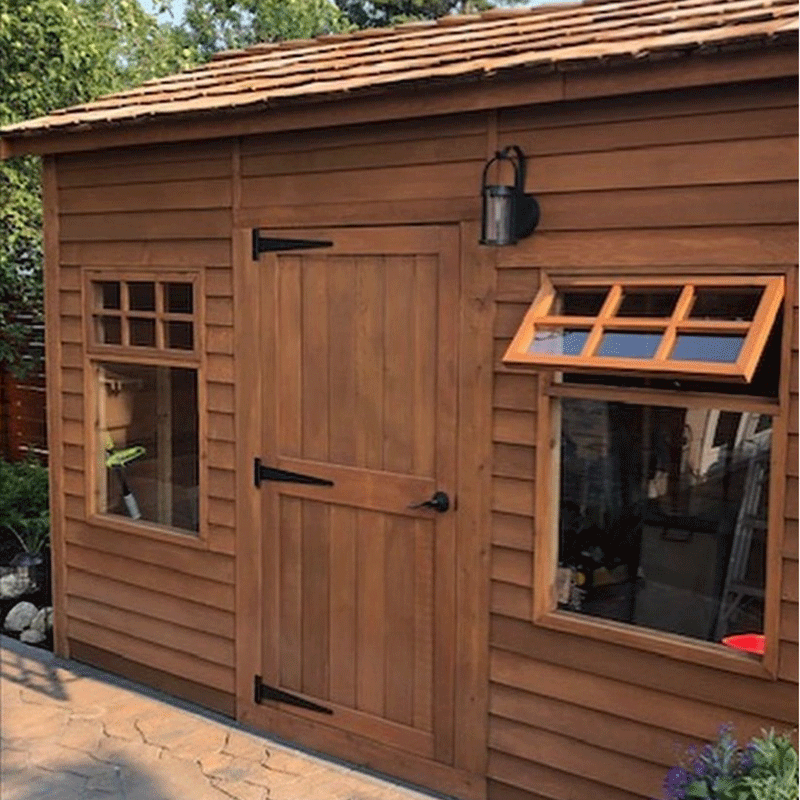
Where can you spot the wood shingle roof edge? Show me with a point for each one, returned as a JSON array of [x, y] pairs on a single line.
[[449, 55]]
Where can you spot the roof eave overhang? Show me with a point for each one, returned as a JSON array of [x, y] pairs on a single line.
[[474, 91]]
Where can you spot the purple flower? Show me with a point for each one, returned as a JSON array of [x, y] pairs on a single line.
[[675, 783], [699, 767]]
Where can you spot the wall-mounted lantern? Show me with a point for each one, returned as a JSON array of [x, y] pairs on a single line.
[[508, 213]]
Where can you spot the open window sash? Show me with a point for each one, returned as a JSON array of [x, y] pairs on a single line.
[[711, 326]]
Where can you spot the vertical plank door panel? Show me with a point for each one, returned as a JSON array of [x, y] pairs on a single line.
[[361, 390]]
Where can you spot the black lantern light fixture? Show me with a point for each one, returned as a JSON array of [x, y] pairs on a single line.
[[508, 213]]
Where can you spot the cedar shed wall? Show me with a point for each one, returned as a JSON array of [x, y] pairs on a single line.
[[163, 607], [685, 181], [666, 180]]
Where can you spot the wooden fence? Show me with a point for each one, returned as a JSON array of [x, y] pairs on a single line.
[[23, 413]]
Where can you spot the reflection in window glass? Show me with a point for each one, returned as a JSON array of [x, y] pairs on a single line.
[[556, 341], [662, 519], [147, 444], [715, 348], [629, 344]]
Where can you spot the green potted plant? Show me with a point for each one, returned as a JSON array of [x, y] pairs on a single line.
[[764, 769]]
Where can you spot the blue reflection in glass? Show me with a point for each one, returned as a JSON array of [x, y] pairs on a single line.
[[558, 342], [707, 347], [629, 344]]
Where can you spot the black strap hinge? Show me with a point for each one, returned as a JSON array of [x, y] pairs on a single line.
[[266, 244], [262, 473], [264, 692]]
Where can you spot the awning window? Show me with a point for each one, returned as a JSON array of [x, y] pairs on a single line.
[[711, 326]]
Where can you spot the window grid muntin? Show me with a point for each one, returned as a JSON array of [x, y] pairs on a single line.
[[100, 285]]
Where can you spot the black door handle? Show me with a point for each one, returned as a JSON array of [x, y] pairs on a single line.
[[439, 502]]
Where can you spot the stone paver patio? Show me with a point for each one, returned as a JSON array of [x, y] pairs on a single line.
[[69, 732]]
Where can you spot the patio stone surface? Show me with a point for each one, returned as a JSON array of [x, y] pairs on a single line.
[[70, 732]]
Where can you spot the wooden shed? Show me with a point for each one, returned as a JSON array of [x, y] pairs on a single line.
[[275, 343]]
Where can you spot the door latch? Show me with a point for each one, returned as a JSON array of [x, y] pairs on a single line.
[[439, 502]]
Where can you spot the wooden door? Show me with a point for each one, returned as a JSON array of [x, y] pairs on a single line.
[[358, 588]]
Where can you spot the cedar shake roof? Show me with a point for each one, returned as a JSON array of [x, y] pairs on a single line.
[[453, 49]]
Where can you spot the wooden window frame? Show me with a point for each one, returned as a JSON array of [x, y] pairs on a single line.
[[96, 353], [160, 315], [545, 612], [754, 332]]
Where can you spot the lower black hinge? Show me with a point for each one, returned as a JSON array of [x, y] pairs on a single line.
[[266, 244], [264, 692]]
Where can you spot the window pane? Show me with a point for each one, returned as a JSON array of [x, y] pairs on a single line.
[[142, 332], [108, 294], [659, 526], [147, 449], [629, 344], [558, 341], [580, 302], [649, 302], [108, 330], [720, 302], [141, 296], [720, 349], [178, 298], [180, 335]]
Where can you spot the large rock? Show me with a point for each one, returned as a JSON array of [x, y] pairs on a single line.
[[31, 636], [20, 617], [14, 585], [43, 621]]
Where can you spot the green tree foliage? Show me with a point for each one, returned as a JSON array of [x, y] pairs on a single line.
[[57, 53], [375, 13], [212, 25]]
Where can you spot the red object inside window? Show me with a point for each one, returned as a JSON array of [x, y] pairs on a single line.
[[749, 642]]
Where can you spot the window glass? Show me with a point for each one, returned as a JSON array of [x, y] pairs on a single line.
[[629, 344], [178, 298], [180, 335], [109, 330], [141, 296], [726, 303], [148, 444], [720, 349], [142, 332], [663, 516], [580, 302], [109, 294], [559, 341], [648, 302]]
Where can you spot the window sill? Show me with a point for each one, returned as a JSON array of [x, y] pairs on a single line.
[[708, 654], [150, 530]]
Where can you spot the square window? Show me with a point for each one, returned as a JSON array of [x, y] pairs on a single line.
[[661, 523]]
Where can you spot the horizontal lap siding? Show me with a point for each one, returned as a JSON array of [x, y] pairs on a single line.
[[414, 171], [684, 182], [160, 607]]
